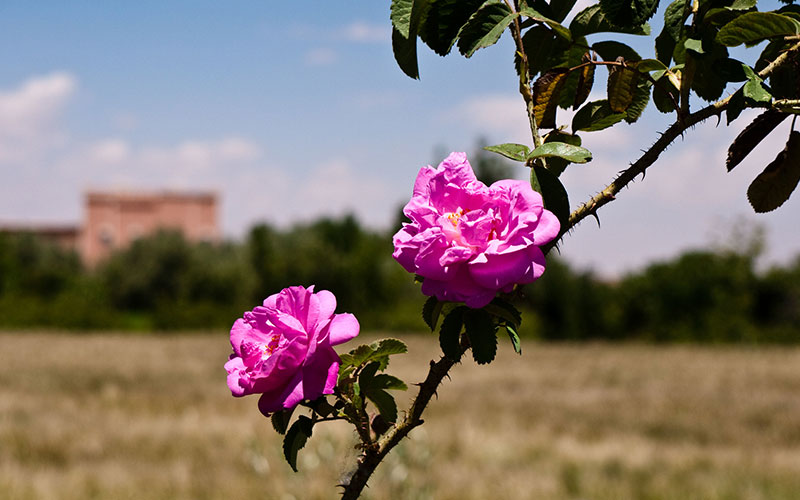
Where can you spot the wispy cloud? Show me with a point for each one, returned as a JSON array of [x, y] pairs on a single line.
[[363, 32], [321, 56], [28, 115]]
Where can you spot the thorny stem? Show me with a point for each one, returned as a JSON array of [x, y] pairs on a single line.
[[372, 456], [651, 155]]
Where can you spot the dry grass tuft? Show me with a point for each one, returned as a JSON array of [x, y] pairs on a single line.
[[112, 416]]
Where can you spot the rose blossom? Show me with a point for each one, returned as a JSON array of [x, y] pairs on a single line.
[[283, 349], [469, 241]]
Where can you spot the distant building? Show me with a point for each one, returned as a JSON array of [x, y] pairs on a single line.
[[114, 220]]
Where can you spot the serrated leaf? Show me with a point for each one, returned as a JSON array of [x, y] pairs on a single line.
[[592, 20], [665, 47], [485, 27], [776, 183], [280, 420], [735, 106], [385, 404], [356, 356], [444, 20], [641, 98], [611, 50], [405, 53], [388, 347], [752, 135], [514, 336], [574, 56], [628, 12], [694, 45], [481, 331], [585, 84], [674, 16], [558, 10], [532, 13], [546, 94], [665, 94], [753, 27], [450, 333], [553, 193], [648, 65], [505, 310], [558, 165], [430, 312], [543, 48], [622, 85], [754, 92], [400, 15], [389, 382], [512, 151], [574, 154], [296, 438], [596, 115]]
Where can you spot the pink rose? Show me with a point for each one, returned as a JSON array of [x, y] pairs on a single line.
[[470, 241], [284, 351]]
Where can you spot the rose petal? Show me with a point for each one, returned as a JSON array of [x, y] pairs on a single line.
[[343, 327]]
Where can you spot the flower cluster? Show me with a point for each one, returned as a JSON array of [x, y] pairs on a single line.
[[283, 349], [469, 241]]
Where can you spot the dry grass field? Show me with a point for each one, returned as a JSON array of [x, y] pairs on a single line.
[[150, 417]]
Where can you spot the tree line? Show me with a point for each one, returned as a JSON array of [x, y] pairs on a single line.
[[163, 282]]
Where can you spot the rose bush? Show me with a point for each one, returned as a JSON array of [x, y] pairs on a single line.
[[469, 241], [283, 349]]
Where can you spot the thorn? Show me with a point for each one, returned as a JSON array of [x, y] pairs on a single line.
[[594, 214]]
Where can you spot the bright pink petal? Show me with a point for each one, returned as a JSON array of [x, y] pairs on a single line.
[[343, 327]]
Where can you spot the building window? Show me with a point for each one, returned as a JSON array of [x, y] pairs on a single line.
[[106, 235]]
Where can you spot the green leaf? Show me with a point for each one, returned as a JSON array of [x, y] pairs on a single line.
[[575, 154], [628, 12], [648, 65], [559, 10], [753, 27], [385, 404], [481, 331], [735, 106], [576, 54], [611, 51], [561, 31], [543, 48], [755, 93], [592, 20], [661, 94], [384, 381], [694, 45], [296, 438], [400, 15], [553, 193], [776, 183], [555, 164], [665, 47], [388, 347], [450, 333], [546, 94], [443, 22], [514, 336], [585, 84], [280, 420], [485, 27], [405, 53], [622, 85], [504, 310], [596, 115], [431, 311], [516, 152], [674, 16], [356, 356], [752, 135], [641, 98]]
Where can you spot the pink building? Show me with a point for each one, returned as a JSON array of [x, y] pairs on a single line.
[[114, 220]]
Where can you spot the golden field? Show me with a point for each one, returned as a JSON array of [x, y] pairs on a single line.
[[118, 416]]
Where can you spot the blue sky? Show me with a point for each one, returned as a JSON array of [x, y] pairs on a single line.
[[292, 111]]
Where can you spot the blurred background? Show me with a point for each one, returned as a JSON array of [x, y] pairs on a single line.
[[166, 166]]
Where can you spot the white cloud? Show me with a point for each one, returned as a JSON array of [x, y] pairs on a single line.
[[362, 32], [321, 56], [28, 115]]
